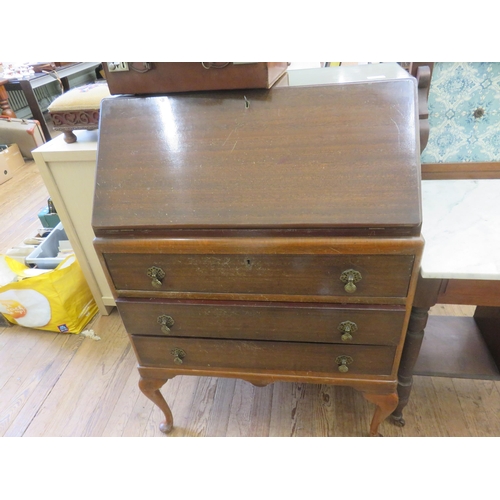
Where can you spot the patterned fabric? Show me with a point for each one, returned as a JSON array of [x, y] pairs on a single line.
[[464, 113], [86, 97]]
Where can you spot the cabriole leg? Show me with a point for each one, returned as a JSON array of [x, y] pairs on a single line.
[[386, 403], [150, 387]]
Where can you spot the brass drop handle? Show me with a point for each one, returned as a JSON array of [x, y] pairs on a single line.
[[347, 327], [178, 355], [166, 322], [342, 362], [350, 277], [156, 274]]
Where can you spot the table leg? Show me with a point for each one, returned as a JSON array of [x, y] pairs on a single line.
[[413, 342], [5, 109], [35, 107], [426, 296]]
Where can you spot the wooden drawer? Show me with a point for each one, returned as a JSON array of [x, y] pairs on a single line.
[[263, 321], [214, 354], [298, 274]]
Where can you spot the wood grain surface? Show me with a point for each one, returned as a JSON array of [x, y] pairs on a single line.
[[66, 385], [292, 157]]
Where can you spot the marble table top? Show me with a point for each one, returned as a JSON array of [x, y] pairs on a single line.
[[461, 228]]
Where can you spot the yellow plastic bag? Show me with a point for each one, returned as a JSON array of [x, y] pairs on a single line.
[[57, 300]]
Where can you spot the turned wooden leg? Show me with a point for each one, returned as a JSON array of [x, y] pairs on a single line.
[[150, 387], [5, 109], [69, 136], [386, 403], [413, 342]]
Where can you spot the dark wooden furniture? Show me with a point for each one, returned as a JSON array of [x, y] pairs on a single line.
[[4, 101], [267, 235], [456, 344], [28, 84], [142, 78], [452, 346]]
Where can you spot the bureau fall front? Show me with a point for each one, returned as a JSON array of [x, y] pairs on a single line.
[[266, 235]]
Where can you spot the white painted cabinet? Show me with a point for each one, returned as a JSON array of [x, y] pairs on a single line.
[[68, 171]]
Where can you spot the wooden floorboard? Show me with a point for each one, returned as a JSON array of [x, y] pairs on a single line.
[[69, 385], [55, 384], [21, 199]]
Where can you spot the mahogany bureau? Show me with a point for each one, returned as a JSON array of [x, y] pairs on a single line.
[[266, 235]]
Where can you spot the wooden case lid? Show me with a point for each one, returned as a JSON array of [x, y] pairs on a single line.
[[341, 157]]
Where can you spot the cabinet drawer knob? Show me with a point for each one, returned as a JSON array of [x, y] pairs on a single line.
[[347, 328], [178, 355], [156, 274], [342, 362], [166, 322], [349, 277]]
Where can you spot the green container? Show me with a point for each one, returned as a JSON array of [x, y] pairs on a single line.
[[47, 219]]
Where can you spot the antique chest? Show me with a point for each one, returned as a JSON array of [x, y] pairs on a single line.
[[267, 235]]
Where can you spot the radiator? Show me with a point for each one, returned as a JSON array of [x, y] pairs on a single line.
[[44, 95]]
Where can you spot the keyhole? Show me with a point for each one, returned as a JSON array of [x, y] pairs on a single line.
[[249, 263]]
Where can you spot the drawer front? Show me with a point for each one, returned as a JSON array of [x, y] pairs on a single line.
[[260, 355], [258, 321], [311, 275]]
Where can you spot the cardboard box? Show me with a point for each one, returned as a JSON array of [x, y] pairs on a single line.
[[10, 160]]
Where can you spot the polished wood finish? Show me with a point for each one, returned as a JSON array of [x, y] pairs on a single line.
[[205, 160], [423, 75], [468, 170], [62, 385], [264, 321], [476, 292], [166, 77], [415, 67], [382, 276], [150, 387], [454, 346], [250, 177], [5, 108], [386, 403], [214, 356], [429, 292]]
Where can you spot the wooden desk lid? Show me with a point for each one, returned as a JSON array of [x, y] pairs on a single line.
[[326, 157]]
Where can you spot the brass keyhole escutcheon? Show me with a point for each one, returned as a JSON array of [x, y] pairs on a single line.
[[178, 355], [342, 362], [347, 327], [166, 322], [350, 277], [156, 274]]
